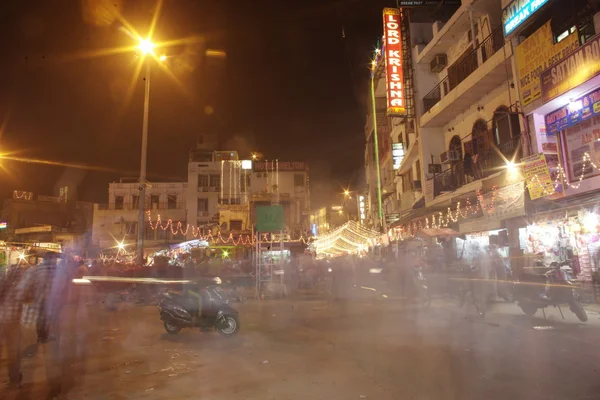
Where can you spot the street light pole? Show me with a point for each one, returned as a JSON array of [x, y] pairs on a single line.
[[142, 187]]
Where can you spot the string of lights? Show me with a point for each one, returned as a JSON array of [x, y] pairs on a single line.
[[246, 240]]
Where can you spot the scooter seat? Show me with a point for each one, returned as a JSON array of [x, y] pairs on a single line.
[[529, 277]]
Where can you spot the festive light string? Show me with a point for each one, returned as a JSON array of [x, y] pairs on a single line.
[[443, 220], [196, 232], [349, 238]]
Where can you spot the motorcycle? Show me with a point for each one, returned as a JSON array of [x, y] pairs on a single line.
[[178, 311], [559, 287]]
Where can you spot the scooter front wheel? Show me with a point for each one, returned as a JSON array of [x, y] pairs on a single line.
[[172, 329], [229, 325], [578, 310]]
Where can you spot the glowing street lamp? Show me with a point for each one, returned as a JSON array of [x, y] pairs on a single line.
[[146, 46]]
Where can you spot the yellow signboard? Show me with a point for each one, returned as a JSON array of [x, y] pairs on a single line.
[[538, 53], [537, 175]]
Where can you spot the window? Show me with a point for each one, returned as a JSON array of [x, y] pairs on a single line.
[[564, 35], [235, 225], [130, 228], [215, 181], [171, 201], [202, 180], [162, 234], [418, 170], [135, 201], [148, 232], [202, 205], [118, 202], [407, 180], [298, 180], [506, 126], [154, 201]]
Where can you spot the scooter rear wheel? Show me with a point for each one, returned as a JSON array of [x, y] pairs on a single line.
[[528, 309]]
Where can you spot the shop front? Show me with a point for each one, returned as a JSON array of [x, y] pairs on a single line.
[[568, 232], [564, 176]]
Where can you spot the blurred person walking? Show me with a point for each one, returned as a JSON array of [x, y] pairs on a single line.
[[44, 289], [10, 321]]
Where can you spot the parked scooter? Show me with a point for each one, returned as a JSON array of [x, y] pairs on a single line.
[[178, 311], [557, 286]]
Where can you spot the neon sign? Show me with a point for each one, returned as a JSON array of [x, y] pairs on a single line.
[[519, 11], [393, 61]]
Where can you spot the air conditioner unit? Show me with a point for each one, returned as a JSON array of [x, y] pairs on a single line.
[[416, 185], [438, 63], [454, 155]]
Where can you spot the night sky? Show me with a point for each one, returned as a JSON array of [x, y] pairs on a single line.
[[291, 87]]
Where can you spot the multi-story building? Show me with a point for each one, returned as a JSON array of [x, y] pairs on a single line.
[[220, 196], [456, 127], [557, 75], [27, 217], [117, 221]]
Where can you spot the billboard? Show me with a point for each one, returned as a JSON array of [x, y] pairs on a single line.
[[270, 218], [536, 54], [393, 61], [517, 12], [577, 68], [281, 166]]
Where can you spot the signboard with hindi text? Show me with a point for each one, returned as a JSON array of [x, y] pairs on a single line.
[[537, 53], [537, 176]]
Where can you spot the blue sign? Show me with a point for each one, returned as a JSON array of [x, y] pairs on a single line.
[[583, 108], [519, 11]]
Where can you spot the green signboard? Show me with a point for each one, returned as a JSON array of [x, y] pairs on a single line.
[[269, 218]]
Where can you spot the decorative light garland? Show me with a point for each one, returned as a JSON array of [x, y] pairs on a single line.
[[443, 220], [247, 240]]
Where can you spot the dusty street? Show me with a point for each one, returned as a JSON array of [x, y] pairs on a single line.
[[308, 348]]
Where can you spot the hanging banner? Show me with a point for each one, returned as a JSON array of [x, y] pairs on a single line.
[[504, 203], [579, 67], [537, 175], [576, 111], [536, 54], [393, 61]]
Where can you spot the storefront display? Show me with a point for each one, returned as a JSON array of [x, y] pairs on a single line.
[[575, 238]]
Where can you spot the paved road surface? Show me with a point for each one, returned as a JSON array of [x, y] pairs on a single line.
[[308, 348]]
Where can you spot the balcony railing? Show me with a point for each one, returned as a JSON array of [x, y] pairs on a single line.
[[135, 206], [484, 164], [460, 71]]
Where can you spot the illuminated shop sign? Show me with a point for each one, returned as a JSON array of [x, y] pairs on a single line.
[[428, 3], [397, 154], [573, 70], [519, 11], [576, 111], [393, 61]]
